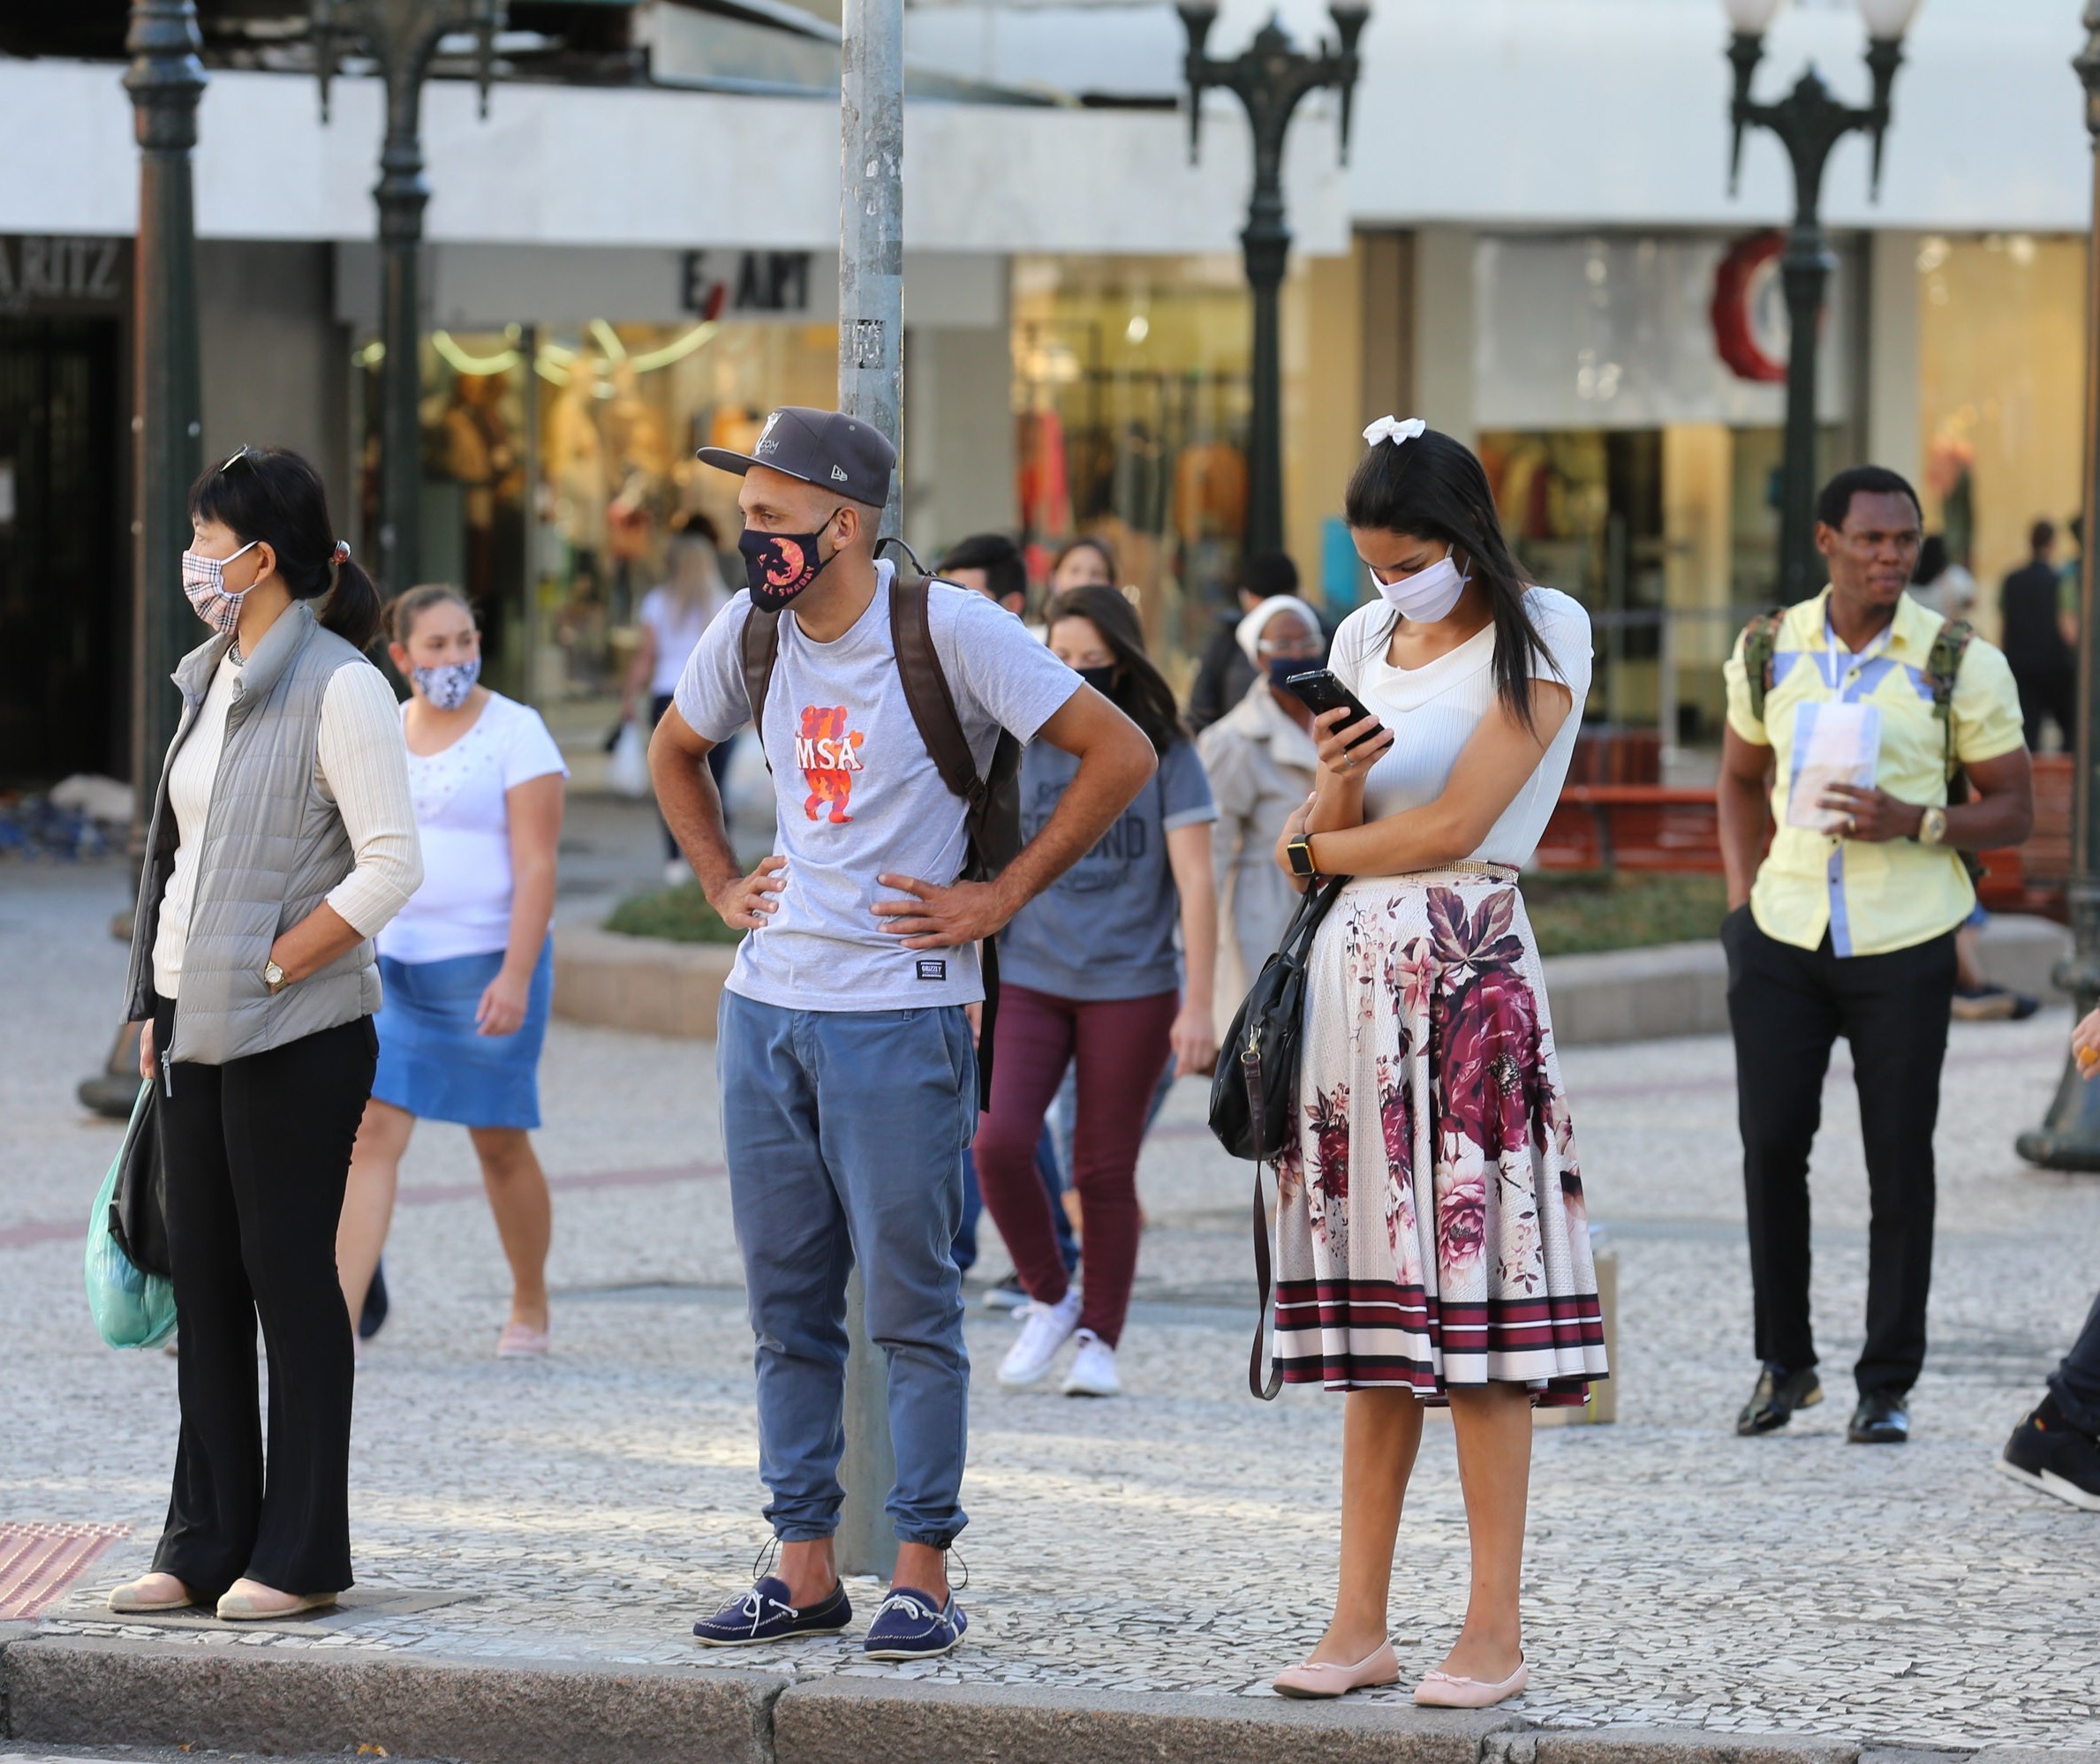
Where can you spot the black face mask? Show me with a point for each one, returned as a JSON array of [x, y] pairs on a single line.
[[1101, 678], [777, 566]]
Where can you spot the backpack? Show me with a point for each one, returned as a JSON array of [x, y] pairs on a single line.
[[1943, 672], [991, 802]]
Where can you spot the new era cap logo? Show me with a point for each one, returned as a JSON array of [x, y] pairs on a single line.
[[838, 475]]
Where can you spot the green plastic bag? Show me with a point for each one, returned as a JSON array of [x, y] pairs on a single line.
[[132, 1308]]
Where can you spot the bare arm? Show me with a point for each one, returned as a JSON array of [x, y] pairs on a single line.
[[1743, 799], [1493, 765], [534, 808], [1114, 761], [1195, 1037], [639, 671], [692, 808]]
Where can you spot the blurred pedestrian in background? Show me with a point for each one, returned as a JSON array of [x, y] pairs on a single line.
[[467, 964], [1432, 1239], [1941, 585], [1226, 671], [282, 840], [1261, 761], [2031, 629], [2056, 1448], [1085, 562], [993, 565], [673, 618], [1089, 977], [1846, 926]]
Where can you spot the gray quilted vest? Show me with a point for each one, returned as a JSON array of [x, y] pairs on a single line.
[[273, 846]]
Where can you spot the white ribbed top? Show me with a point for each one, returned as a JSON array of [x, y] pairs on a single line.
[[1434, 710], [361, 763]]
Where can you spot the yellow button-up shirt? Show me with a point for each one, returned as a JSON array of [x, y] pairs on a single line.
[[1870, 897]]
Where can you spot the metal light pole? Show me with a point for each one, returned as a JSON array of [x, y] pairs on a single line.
[[165, 79], [1808, 123], [871, 387], [401, 36], [2069, 1138], [1270, 79]]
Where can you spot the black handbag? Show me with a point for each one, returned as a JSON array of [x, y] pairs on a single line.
[[1254, 1091], [139, 1208]]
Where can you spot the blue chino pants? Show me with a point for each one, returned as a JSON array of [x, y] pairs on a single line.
[[845, 1131]]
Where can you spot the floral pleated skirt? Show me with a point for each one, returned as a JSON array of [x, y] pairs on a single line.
[[1431, 1231]]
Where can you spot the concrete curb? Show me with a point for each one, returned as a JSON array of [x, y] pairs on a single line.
[[645, 984], [92, 1690]]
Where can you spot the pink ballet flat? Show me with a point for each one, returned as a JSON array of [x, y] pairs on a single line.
[[1447, 1691], [1325, 1678], [519, 1341]]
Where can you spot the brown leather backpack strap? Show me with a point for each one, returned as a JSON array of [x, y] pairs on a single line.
[[759, 647], [926, 691]]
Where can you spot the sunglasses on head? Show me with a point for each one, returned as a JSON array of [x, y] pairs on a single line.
[[230, 461]]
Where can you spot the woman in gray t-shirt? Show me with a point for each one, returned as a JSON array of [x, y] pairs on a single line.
[[1088, 972]]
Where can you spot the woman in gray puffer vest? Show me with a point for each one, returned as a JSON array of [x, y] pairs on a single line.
[[282, 838]]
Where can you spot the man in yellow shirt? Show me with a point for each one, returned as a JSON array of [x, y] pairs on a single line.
[[1842, 751]]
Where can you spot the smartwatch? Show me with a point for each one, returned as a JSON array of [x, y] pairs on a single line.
[[1933, 826], [1299, 853]]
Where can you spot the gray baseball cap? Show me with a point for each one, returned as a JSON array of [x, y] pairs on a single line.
[[825, 448]]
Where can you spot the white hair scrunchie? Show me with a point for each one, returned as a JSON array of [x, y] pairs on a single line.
[[1392, 429]]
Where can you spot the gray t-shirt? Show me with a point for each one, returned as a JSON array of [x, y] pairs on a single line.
[[856, 794], [1105, 929]]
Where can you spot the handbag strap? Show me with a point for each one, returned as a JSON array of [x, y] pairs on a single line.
[[1264, 1389]]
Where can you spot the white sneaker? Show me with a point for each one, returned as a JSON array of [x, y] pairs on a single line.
[[1093, 1369], [1046, 1329]]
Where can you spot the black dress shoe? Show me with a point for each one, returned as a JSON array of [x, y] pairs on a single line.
[[376, 1304], [1880, 1420], [1779, 1393]]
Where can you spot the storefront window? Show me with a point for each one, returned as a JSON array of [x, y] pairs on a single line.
[[2001, 386], [1130, 388], [553, 458]]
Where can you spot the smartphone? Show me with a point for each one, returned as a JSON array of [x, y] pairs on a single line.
[[1320, 691]]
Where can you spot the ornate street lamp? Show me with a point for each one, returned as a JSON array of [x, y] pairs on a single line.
[[1808, 123], [1270, 79], [401, 36], [165, 79], [2069, 1139]]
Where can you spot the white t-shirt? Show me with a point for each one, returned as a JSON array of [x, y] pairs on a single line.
[[856, 794], [463, 906], [679, 625], [1434, 711]]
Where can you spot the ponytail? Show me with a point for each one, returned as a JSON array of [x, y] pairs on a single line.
[[272, 494]]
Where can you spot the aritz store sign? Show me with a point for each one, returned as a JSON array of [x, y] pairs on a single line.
[[748, 284], [51, 273]]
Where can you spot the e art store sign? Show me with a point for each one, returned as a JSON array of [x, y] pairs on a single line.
[[51, 274]]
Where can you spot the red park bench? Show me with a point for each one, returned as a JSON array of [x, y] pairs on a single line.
[[1647, 826]]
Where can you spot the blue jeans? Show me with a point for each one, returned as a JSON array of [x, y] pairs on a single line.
[[845, 1131], [1054, 1185]]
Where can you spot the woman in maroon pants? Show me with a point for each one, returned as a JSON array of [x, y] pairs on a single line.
[[1089, 971]]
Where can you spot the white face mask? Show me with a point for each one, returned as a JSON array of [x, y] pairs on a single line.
[[1427, 595]]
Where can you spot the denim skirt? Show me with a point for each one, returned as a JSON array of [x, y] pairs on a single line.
[[435, 1063]]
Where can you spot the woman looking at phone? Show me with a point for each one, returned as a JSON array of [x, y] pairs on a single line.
[[1089, 977], [1431, 1244]]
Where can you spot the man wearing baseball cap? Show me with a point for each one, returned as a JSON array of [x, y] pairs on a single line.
[[848, 1075]]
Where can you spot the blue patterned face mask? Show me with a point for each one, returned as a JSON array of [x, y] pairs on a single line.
[[447, 688]]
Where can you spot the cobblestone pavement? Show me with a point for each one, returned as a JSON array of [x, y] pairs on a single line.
[[1181, 1537]]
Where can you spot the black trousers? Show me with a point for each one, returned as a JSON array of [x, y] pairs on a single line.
[[1786, 1006], [256, 1153], [2049, 692], [2076, 1383]]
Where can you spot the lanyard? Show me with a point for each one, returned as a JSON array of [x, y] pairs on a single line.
[[1830, 663]]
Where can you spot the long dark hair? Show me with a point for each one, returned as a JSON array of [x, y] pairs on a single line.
[[272, 494], [1140, 692], [1434, 488]]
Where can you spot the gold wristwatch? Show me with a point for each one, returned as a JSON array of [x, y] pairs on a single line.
[[273, 976], [1933, 826]]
